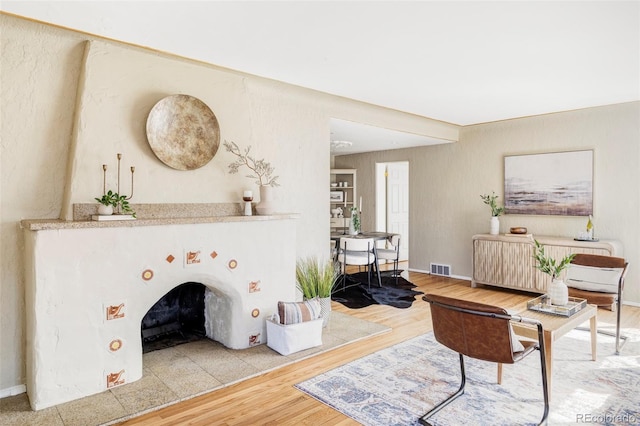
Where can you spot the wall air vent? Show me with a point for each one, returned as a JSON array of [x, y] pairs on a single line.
[[438, 269]]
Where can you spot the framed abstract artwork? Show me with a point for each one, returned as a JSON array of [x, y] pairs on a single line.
[[557, 183]]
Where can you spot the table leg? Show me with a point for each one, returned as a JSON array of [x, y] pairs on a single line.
[[593, 324], [548, 357], [499, 373]]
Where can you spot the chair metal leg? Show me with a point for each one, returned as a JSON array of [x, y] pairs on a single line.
[[395, 270], [440, 406], [543, 368], [617, 334], [618, 314]]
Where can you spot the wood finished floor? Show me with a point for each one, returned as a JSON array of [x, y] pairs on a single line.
[[271, 399]]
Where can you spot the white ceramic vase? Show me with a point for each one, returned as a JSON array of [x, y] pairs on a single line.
[[495, 225], [105, 210], [265, 206], [558, 293]]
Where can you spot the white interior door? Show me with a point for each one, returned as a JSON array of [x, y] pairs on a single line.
[[393, 202]]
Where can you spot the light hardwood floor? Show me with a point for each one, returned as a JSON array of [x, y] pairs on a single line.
[[271, 399]]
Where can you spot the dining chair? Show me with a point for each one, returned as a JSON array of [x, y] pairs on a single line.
[[360, 252], [392, 254], [599, 280], [482, 332]]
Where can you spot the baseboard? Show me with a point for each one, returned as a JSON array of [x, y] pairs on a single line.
[[458, 277], [15, 390]]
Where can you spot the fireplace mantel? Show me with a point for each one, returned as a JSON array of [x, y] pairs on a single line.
[[52, 224], [90, 283]]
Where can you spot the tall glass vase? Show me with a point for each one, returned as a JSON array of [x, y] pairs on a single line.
[[354, 224]]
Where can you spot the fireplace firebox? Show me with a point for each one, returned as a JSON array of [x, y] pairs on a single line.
[[177, 318]]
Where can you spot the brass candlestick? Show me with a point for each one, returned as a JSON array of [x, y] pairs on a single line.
[[104, 181]]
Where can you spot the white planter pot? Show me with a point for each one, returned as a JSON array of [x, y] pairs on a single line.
[[558, 293], [105, 210], [325, 309], [495, 225]]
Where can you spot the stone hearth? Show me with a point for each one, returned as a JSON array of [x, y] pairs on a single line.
[[89, 284]]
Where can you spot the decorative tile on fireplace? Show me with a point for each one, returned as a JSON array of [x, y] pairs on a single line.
[[115, 379], [114, 312], [254, 286], [254, 339], [147, 274], [115, 345], [192, 257]]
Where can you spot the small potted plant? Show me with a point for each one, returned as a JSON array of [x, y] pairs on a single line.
[[496, 211], [112, 200], [315, 278], [107, 203], [557, 290]]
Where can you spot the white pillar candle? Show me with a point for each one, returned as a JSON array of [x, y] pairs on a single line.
[[345, 199], [360, 210], [247, 194]]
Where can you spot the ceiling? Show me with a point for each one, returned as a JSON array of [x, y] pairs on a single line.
[[459, 62]]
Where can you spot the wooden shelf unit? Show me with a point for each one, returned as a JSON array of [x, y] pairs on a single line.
[[337, 176]]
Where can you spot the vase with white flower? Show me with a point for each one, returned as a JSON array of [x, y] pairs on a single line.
[[496, 211], [261, 171]]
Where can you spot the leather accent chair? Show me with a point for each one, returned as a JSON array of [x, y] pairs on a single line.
[[482, 332], [599, 280]]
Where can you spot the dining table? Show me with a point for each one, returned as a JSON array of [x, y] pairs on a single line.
[[376, 235]]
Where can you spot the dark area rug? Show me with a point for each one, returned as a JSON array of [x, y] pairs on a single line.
[[357, 294]]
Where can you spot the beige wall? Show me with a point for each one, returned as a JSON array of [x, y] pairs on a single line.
[[69, 106], [446, 182]]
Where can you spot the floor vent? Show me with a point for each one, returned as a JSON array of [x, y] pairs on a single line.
[[438, 269]]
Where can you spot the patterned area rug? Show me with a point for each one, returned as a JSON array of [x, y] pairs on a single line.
[[399, 384], [357, 294]]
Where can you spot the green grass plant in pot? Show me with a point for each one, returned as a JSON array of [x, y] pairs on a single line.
[[557, 290], [316, 278]]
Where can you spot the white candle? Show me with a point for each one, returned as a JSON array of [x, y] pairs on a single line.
[[360, 210], [345, 199], [247, 194]]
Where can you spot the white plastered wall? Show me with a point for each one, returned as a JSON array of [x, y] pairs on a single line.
[[53, 108]]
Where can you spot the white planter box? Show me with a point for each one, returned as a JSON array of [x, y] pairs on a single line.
[[287, 339]]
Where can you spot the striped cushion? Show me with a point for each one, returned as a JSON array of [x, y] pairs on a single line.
[[295, 312]]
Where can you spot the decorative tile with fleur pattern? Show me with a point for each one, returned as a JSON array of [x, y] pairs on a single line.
[[254, 286], [115, 311], [115, 379]]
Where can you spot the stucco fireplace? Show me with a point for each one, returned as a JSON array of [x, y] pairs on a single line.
[[89, 285]]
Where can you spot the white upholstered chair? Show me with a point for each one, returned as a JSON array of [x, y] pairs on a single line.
[[392, 253], [360, 252]]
